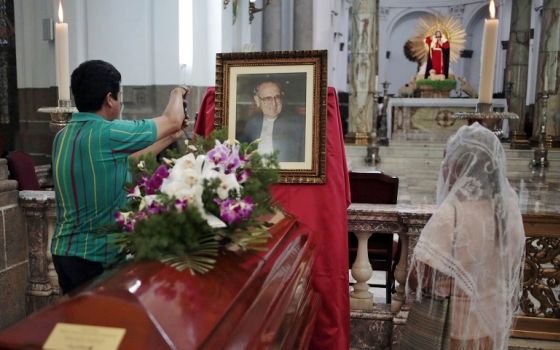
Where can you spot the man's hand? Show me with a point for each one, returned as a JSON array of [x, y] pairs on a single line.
[[177, 135], [174, 114]]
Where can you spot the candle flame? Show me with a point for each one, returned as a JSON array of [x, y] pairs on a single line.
[[60, 14], [492, 9]]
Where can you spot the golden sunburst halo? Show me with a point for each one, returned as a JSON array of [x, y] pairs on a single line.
[[449, 26]]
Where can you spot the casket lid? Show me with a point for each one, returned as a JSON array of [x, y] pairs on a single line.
[[162, 308]]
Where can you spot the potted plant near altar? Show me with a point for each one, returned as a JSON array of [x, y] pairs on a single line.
[[200, 199], [436, 86]]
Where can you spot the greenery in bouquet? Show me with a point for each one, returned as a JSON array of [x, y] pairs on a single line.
[[199, 200]]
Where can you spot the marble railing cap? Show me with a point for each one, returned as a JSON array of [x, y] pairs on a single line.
[[36, 195]]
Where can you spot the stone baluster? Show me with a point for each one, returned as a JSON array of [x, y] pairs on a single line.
[[51, 222], [36, 205], [360, 297], [400, 275]]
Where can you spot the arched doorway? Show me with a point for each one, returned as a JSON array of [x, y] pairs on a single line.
[[398, 69]]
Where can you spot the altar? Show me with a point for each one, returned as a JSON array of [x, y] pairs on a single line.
[[431, 119]]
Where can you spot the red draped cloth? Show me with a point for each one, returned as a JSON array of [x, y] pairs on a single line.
[[323, 209]]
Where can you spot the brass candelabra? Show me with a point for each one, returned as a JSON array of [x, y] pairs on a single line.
[[540, 154], [60, 115], [372, 150], [486, 116]]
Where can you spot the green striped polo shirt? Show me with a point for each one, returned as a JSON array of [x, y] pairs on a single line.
[[90, 168]]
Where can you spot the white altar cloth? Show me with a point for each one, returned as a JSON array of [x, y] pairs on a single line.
[[499, 103]]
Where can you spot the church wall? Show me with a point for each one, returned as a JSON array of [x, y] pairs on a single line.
[[330, 30], [140, 37]]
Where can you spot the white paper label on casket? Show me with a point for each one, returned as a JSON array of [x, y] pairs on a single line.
[[66, 336]]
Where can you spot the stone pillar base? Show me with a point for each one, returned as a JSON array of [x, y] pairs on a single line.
[[372, 329], [36, 302], [399, 322], [519, 141], [357, 138]]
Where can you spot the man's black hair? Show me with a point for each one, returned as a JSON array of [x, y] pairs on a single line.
[[91, 82]]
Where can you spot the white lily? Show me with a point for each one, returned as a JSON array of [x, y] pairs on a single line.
[[228, 183]]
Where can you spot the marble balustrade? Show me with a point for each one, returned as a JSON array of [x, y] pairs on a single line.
[[40, 216], [539, 315]]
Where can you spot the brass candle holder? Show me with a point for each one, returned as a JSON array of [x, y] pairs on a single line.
[[382, 136], [540, 154], [372, 150], [60, 115], [486, 116]]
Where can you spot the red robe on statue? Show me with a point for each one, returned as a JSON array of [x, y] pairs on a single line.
[[323, 209], [436, 54]]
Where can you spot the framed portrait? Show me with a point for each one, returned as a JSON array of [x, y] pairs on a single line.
[[279, 98]]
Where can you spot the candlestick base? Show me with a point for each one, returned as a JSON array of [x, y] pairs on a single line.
[[60, 115], [372, 151], [486, 116]]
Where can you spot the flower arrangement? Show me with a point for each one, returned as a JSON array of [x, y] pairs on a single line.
[[197, 201]]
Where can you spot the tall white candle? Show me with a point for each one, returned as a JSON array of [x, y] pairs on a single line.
[[61, 50], [488, 56]]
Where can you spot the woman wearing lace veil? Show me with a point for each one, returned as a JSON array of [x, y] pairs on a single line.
[[466, 268]]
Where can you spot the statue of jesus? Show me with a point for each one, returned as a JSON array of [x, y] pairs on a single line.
[[438, 54]]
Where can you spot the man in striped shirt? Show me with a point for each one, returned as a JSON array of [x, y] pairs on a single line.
[[90, 159]]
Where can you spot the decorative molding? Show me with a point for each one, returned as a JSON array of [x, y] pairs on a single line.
[[541, 277], [457, 11], [384, 12]]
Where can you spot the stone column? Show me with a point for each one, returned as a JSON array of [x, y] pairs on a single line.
[[303, 25], [38, 208], [362, 101], [272, 26], [517, 68], [549, 67]]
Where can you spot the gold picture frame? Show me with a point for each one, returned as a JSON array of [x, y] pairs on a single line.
[[279, 97]]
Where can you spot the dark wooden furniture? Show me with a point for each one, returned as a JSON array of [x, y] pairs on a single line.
[[376, 188], [249, 301], [22, 169]]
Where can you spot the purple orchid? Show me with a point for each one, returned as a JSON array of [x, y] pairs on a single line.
[[153, 184], [232, 211], [155, 208], [181, 205], [234, 161], [140, 216], [243, 175], [219, 153], [125, 221]]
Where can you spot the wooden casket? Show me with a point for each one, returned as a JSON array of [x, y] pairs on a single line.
[[249, 301]]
